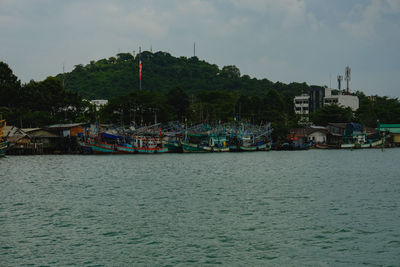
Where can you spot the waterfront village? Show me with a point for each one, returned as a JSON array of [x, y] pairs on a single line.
[[235, 136]]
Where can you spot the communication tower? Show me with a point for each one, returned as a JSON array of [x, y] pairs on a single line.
[[339, 80], [347, 78]]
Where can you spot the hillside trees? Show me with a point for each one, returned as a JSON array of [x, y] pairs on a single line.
[[332, 113], [36, 103], [10, 87]]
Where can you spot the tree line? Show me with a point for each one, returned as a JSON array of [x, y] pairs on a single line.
[[36, 104]]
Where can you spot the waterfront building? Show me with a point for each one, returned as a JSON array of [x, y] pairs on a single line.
[[71, 129], [302, 136], [393, 130], [335, 133], [317, 135]]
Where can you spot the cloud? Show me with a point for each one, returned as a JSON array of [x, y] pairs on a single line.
[[363, 21], [290, 13], [287, 40]]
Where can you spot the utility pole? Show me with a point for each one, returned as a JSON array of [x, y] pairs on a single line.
[[63, 81]]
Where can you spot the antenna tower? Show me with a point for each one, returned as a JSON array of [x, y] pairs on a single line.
[[347, 78], [339, 80]]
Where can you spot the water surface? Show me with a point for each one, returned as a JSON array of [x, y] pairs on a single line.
[[312, 207]]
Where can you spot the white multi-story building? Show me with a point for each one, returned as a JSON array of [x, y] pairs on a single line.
[[301, 107], [304, 104], [345, 101], [301, 104]]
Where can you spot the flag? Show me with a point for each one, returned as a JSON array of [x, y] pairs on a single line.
[[140, 68]]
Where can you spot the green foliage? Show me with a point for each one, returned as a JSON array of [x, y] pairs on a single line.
[[142, 107], [173, 89], [332, 113], [9, 86], [376, 108], [36, 103], [114, 77], [179, 103]]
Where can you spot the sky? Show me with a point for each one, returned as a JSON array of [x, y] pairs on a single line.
[[308, 41]]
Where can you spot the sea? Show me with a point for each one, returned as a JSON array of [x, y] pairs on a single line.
[[277, 208]]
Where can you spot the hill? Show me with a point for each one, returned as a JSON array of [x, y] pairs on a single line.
[[118, 76]]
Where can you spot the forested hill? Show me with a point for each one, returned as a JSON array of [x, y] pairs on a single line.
[[118, 76]]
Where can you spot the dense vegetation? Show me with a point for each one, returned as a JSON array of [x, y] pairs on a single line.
[[182, 89], [37, 103], [118, 76]]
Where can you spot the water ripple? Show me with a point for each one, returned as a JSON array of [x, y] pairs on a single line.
[[309, 208]]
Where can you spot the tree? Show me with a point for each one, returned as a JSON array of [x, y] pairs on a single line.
[[332, 113], [230, 71], [9, 86], [179, 102], [274, 107]]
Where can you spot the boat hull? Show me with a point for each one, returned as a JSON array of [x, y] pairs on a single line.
[[101, 148], [216, 149], [173, 147], [151, 150], [245, 148], [192, 148], [347, 146], [126, 149], [3, 148]]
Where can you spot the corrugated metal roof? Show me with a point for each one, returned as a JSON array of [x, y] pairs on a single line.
[[68, 125], [41, 133]]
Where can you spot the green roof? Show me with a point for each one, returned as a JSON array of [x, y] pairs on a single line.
[[389, 125], [393, 128]]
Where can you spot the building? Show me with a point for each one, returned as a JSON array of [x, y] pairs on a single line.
[[301, 106], [335, 134], [317, 135], [316, 100], [65, 130], [345, 101], [99, 103], [21, 142], [320, 96], [393, 130]]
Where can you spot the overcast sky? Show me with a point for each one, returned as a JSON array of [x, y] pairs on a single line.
[[283, 40]]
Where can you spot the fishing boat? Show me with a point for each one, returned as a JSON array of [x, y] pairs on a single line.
[[195, 142], [173, 142], [102, 147], [102, 143], [370, 144], [250, 138], [217, 143], [188, 147], [322, 146], [3, 141], [147, 144], [146, 140], [173, 146]]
